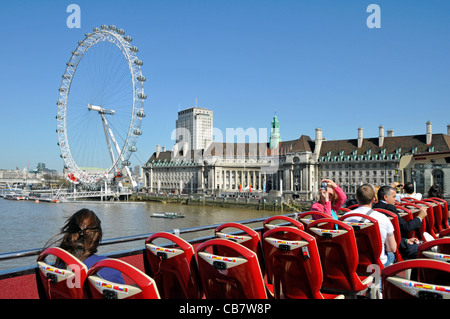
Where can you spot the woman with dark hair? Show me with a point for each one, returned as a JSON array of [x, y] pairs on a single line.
[[81, 236], [435, 191]]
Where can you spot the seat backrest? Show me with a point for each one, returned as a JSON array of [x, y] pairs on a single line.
[[285, 221], [307, 217], [230, 277], [368, 240], [63, 280], [408, 199], [438, 249], [397, 233], [352, 207], [437, 212], [173, 267], [295, 268], [433, 280], [250, 239], [414, 208], [430, 224], [444, 211], [95, 287], [338, 255], [444, 233], [407, 215]]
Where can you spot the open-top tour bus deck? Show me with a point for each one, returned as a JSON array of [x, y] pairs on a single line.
[[288, 256]]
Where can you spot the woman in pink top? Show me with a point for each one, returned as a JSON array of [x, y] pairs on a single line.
[[331, 200]]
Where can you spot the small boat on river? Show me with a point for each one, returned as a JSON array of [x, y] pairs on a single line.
[[167, 215]]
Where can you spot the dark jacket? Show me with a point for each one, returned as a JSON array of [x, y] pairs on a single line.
[[405, 226]]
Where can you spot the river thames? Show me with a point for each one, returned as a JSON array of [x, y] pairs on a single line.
[[28, 225]]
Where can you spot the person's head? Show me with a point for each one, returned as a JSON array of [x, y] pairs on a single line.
[[388, 194], [409, 188], [365, 194], [435, 191], [82, 234], [331, 195]]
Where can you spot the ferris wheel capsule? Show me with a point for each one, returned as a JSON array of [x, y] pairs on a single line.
[[142, 96], [140, 114], [104, 27], [128, 38], [96, 29], [112, 27], [137, 132], [126, 163], [134, 49], [138, 62], [141, 78], [121, 31]]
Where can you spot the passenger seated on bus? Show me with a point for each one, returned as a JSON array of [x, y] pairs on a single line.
[[365, 194], [409, 191], [408, 246], [81, 236], [435, 191], [331, 199]]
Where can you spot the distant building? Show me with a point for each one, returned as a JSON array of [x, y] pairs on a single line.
[[295, 168], [194, 128]]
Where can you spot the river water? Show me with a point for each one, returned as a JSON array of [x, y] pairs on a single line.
[[28, 225]]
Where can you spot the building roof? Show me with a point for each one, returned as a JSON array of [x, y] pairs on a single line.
[[411, 144], [406, 144]]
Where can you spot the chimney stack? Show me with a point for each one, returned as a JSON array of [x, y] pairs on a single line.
[[429, 133], [158, 150], [319, 134], [448, 129], [360, 137], [390, 133], [381, 136]]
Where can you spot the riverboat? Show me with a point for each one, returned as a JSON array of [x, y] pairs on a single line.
[[167, 215], [289, 256], [14, 196]]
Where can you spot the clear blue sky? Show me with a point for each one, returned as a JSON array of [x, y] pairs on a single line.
[[315, 62]]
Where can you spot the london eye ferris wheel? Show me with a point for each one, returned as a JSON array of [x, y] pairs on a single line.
[[100, 107]]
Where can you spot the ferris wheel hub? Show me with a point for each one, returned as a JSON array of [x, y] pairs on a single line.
[[100, 110]]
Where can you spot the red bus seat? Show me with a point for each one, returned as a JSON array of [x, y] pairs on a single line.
[[60, 282], [352, 207], [433, 280], [230, 277], [296, 271], [430, 224], [444, 233], [437, 211], [444, 209], [438, 249], [339, 257], [414, 208], [95, 287], [342, 211], [249, 239], [368, 241], [407, 215], [306, 217], [286, 221], [397, 233], [174, 269], [408, 199]]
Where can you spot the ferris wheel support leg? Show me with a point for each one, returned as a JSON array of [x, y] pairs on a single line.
[[111, 135], [105, 129]]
